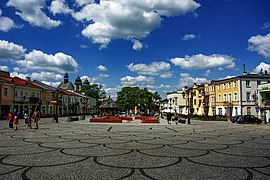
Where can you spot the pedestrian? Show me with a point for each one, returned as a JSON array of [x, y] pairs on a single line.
[[10, 118], [26, 117], [169, 118], [35, 117], [15, 123]]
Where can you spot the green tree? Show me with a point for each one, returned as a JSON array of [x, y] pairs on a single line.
[[95, 91], [130, 97]]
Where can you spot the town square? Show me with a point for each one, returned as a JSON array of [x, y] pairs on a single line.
[[83, 150], [127, 89]]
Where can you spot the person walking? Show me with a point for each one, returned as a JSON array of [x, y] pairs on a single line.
[[15, 124], [35, 117], [10, 118]]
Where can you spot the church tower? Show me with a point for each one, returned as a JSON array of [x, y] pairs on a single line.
[[78, 84]]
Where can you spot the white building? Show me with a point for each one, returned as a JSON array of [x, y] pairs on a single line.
[[174, 103]]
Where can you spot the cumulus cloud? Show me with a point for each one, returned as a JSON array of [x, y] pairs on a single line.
[[5, 23], [260, 44], [128, 19], [10, 51], [187, 80], [54, 84], [262, 67], [59, 6], [207, 73], [137, 45], [37, 60], [201, 61], [95, 79], [153, 69], [101, 68], [166, 75], [4, 68], [189, 37], [46, 76], [31, 11], [139, 80], [84, 2]]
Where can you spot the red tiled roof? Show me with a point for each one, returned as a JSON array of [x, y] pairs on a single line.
[[19, 81]]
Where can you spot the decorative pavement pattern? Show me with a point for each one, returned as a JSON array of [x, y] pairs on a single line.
[[203, 150]]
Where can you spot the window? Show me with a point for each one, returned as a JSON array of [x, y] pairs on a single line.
[[21, 93], [229, 85], [219, 98], [258, 83], [26, 94], [219, 87], [16, 93], [248, 83], [33, 94], [230, 97], [5, 91], [236, 110], [224, 97], [213, 88], [194, 102], [224, 86], [235, 97], [49, 97], [220, 111], [234, 84], [37, 95], [248, 97], [213, 99]]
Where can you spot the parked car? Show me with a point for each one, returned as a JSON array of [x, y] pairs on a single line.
[[234, 119], [249, 119]]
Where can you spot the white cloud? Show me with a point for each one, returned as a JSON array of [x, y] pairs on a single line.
[[260, 44], [101, 68], [4, 68], [262, 66], [31, 11], [46, 76], [58, 63], [95, 79], [128, 19], [154, 68], [84, 2], [137, 45], [10, 51], [189, 37], [207, 73], [139, 80], [59, 6], [187, 80], [41, 76], [5, 23], [166, 75], [201, 61], [54, 84], [20, 75]]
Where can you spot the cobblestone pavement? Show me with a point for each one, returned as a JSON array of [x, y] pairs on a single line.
[[203, 150]]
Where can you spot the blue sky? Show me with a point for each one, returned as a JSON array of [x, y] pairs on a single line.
[[161, 45]]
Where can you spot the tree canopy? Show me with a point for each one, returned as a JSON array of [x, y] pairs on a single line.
[[130, 97], [95, 91]]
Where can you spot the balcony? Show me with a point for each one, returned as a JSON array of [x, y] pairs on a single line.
[[227, 104]]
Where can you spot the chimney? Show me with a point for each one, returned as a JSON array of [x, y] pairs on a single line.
[[28, 78], [244, 72], [265, 72]]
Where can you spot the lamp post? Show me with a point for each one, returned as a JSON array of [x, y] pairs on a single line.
[[186, 95], [56, 109]]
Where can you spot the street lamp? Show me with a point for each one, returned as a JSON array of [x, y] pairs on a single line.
[[56, 110], [187, 94]]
